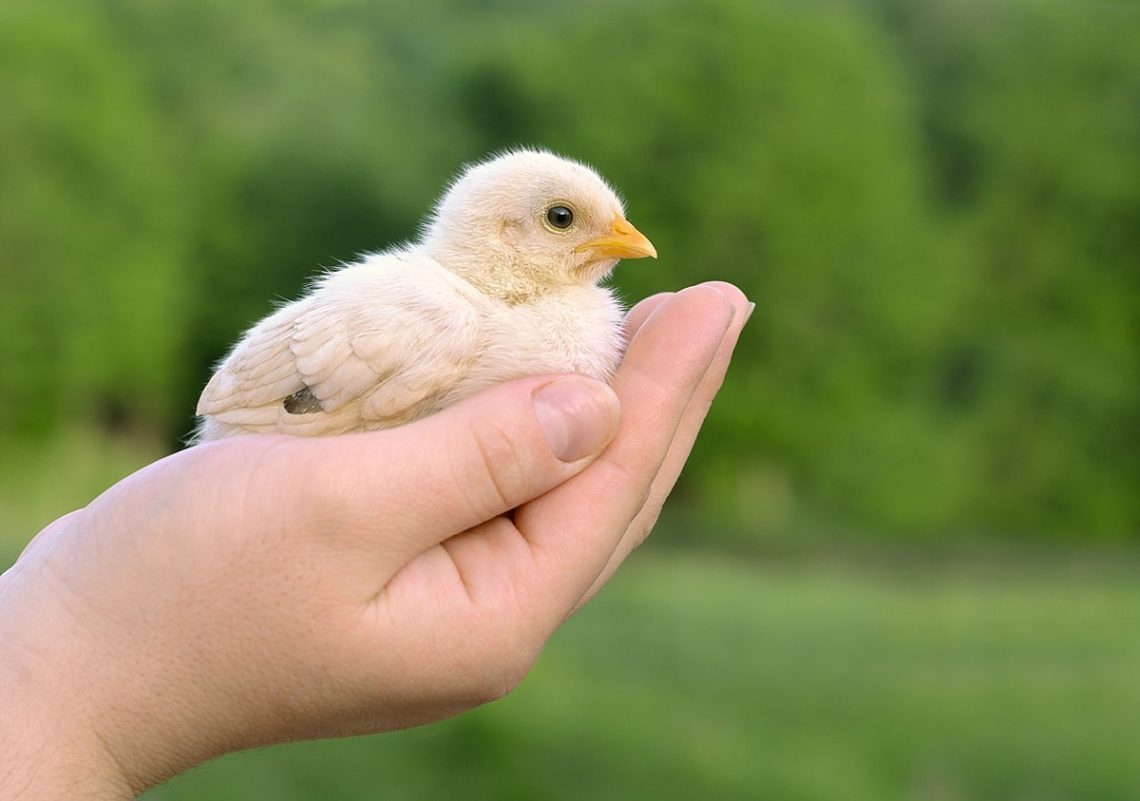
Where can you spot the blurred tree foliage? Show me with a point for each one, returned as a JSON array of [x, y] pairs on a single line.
[[935, 205]]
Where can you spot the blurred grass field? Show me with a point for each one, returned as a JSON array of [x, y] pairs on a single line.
[[1005, 673], [999, 674], [694, 677], [829, 673]]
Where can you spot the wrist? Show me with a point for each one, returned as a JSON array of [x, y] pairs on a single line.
[[47, 749]]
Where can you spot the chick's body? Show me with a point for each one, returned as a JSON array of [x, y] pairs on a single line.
[[498, 287]]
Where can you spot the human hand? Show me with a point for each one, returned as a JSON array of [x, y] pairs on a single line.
[[265, 588]]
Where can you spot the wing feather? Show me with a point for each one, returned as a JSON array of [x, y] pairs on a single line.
[[372, 340]]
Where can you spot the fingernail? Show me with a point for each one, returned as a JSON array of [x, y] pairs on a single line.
[[748, 314], [578, 416]]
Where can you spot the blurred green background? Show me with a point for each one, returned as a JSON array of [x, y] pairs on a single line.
[[903, 560]]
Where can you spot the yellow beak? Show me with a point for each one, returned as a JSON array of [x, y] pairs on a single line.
[[624, 242]]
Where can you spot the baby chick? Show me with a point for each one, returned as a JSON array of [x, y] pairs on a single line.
[[503, 283]]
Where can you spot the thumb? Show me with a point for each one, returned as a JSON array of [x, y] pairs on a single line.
[[429, 480]]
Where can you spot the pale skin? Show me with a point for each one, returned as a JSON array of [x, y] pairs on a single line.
[[266, 589]]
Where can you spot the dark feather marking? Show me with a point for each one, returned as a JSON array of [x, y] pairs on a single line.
[[303, 401]]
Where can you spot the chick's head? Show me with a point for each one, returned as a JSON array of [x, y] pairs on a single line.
[[529, 220]]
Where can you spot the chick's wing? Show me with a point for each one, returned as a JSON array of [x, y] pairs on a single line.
[[373, 341]]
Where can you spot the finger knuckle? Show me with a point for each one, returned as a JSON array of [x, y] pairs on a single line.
[[493, 485]]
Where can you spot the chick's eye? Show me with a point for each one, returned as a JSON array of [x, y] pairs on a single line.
[[559, 216]]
